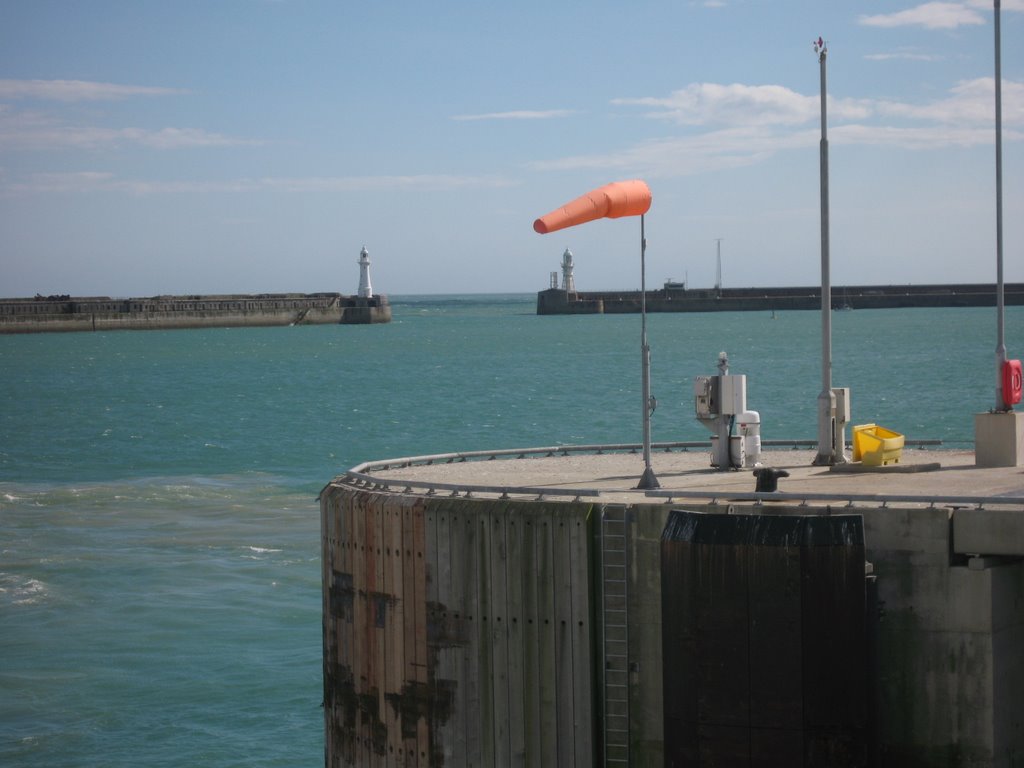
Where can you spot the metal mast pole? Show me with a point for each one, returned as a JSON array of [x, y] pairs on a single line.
[[1000, 329], [648, 480], [718, 269], [826, 399]]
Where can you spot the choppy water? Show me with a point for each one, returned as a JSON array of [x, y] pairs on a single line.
[[159, 534]]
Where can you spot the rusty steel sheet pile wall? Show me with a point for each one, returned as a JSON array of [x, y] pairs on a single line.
[[457, 632], [764, 640]]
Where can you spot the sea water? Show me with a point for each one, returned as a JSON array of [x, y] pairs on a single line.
[[159, 531]]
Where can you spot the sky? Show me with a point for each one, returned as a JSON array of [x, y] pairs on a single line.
[[253, 146]]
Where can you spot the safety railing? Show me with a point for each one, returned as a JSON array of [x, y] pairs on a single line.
[[849, 499], [363, 475]]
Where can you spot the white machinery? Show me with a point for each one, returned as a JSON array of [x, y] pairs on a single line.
[[840, 417], [721, 405]]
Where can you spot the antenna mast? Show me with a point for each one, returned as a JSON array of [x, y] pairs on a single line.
[[830, 441], [718, 271]]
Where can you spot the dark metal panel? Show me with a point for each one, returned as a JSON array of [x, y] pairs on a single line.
[[763, 625], [776, 674], [723, 635]]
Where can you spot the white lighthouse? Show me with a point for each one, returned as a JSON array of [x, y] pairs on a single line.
[[568, 283], [365, 289]]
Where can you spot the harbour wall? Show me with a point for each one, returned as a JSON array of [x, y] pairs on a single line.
[[473, 631], [65, 313], [554, 301]]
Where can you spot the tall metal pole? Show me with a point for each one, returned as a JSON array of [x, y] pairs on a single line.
[[718, 268], [1000, 327], [826, 398], [648, 479]]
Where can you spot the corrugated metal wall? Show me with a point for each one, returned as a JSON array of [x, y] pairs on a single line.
[[456, 634]]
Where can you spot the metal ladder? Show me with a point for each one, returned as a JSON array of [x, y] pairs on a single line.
[[615, 633]]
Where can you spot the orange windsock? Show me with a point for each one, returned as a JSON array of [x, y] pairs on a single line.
[[620, 198]]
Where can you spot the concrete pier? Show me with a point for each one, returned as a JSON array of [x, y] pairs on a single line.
[[507, 608], [101, 313], [675, 297]]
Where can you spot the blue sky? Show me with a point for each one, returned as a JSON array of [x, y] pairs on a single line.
[[256, 145]]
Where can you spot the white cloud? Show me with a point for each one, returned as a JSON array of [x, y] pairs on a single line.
[[62, 182], [431, 182], [101, 181], [970, 103], [918, 138], [935, 15], [176, 138], [713, 103], [78, 90], [98, 181], [524, 114], [689, 155], [35, 130], [753, 123], [1006, 5], [902, 55]]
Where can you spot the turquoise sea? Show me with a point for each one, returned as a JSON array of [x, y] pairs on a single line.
[[159, 531]]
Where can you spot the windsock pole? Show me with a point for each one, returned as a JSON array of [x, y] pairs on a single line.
[[648, 480], [612, 201]]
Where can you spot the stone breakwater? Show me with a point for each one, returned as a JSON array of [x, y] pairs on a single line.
[[675, 298], [66, 313]]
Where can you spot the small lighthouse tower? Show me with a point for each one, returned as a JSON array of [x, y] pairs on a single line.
[[568, 283], [365, 289]]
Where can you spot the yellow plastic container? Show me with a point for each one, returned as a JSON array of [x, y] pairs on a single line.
[[874, 445]]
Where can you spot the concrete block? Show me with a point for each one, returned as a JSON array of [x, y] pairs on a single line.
[[988, 532], [999, 439], [919, 531], [937, 598]]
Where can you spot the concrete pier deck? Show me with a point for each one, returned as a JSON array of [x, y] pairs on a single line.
[[930, 474]]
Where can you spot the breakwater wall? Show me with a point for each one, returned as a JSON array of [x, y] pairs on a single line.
[[554, 301], [464, 630], [66, 313]]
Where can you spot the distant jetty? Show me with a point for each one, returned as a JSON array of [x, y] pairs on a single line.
[[42, 314], [68, 313], [676, 297]]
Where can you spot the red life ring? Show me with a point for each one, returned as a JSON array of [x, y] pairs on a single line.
[[1013, 382]]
